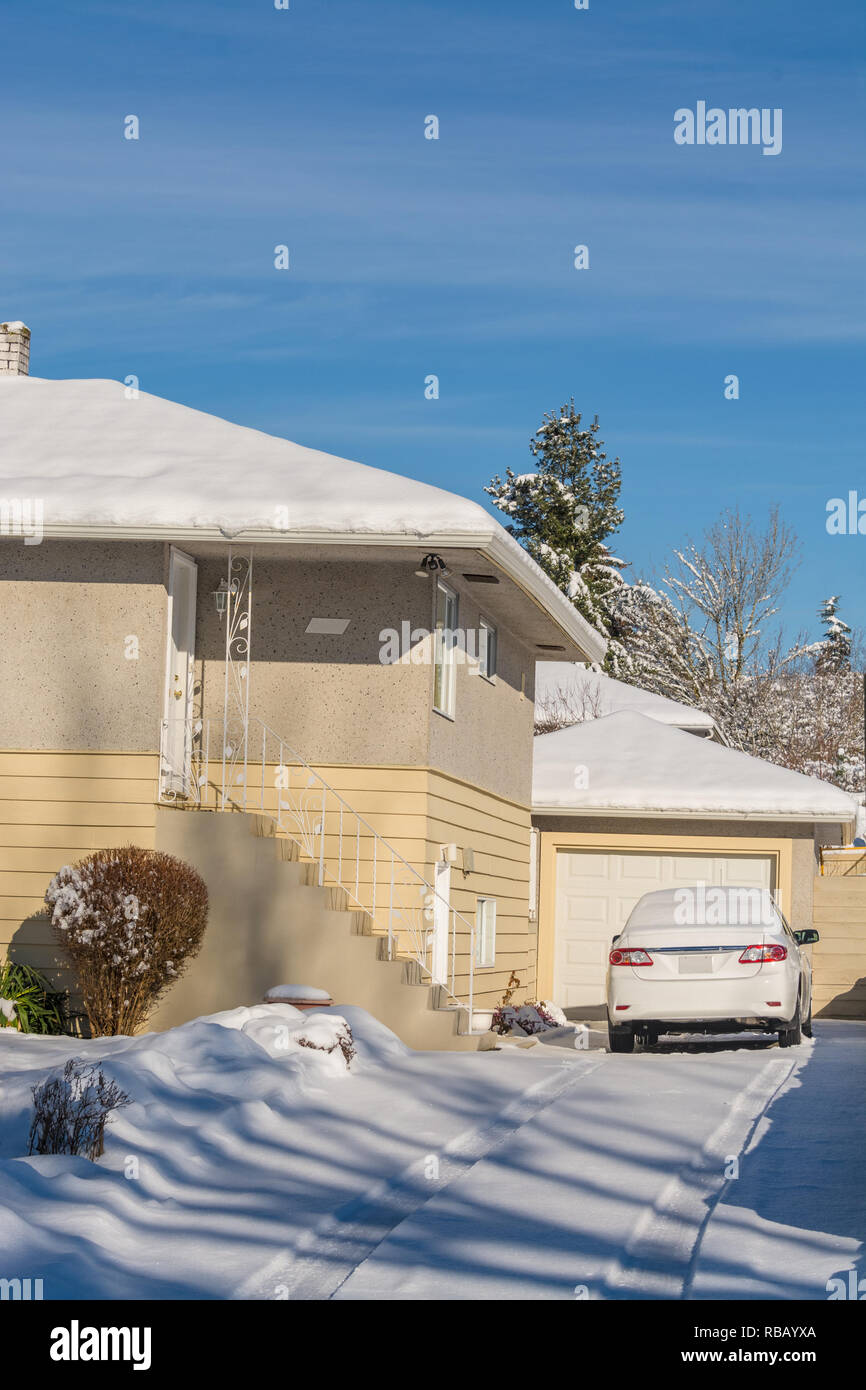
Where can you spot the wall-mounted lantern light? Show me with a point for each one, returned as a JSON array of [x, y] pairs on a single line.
[[221, 595]]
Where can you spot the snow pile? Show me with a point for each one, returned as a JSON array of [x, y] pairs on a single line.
[[525, 1020], [281, 1031], [234, 1150]]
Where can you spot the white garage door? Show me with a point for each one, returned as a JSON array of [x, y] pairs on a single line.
[[595, 892]]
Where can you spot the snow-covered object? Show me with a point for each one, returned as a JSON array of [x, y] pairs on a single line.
[[290, 993], [527, 1019], [585, 693], [8, 1009], [105, 461], [626, 762], [552, 1011], [282, 1030]]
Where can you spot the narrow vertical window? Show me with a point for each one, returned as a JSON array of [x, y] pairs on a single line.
[[445, 653], [487, 645], [485, 932]]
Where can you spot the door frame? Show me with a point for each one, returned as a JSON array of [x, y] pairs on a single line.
[[178, 559]]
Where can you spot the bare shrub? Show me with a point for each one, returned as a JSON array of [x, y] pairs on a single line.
[[570, 702], [71, 1108], [344, 1041], [130, 919]]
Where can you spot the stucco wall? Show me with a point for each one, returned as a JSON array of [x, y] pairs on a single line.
[[335, 699], [82, 637], [83, 643], [489, 741]]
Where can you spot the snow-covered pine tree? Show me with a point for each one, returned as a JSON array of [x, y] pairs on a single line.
[[564, 511], [833, 652]]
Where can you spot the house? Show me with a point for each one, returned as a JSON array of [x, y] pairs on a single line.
[[628, 803], [311, 678]]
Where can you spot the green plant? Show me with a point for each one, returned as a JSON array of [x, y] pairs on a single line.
[[38, 1008]]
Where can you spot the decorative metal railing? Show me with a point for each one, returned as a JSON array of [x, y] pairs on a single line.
[[206, 764]]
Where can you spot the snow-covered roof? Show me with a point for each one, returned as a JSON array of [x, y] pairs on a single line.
[[105, 464], [629, 764], [591, 695]]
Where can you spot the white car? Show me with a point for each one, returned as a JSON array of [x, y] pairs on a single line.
[[706, 959]]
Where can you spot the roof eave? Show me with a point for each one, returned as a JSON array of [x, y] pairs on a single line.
[[686, 812], [505, 554]]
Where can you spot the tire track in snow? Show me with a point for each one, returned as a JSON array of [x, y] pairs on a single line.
[[327, 1254], [661, 1255]]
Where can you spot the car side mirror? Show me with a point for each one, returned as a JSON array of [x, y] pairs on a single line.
[[807, 937]]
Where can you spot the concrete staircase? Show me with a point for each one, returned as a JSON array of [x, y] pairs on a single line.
[[270, 923], [839, 959]]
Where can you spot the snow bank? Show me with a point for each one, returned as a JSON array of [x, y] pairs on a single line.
[[233, 1150]]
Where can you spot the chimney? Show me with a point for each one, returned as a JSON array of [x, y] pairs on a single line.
[[14, 349]]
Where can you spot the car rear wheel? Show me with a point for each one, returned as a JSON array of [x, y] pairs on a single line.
[[793, 1034], [621, 1038], [807, 1023]]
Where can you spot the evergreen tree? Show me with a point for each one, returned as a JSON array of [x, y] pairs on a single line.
[[833, 652], [564, 512]]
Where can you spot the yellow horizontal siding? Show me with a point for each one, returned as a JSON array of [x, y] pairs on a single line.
[[55, 809]]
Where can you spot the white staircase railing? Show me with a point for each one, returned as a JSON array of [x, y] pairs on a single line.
[[203, 766]]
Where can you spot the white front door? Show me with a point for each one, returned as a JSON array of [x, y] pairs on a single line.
[[597, 889], [441, 922], [179, 673]]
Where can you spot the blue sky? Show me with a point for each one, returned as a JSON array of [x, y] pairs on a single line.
[[409, 256]]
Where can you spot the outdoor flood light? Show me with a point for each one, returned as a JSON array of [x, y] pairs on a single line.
[[432, 565]]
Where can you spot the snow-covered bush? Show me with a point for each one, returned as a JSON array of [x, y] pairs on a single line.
[[283, 1030], [70, 1110], [527, 1019], [130, 919]]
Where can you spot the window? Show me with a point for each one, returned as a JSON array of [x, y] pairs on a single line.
[[487, 649], [485, 932], [445, 650]]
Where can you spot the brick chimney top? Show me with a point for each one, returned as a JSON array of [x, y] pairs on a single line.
[[14, 349]]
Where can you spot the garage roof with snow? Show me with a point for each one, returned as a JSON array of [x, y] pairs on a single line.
[[629, 764]]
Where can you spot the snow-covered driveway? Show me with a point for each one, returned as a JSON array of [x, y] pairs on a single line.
[[244, 1173], [618, 1189]]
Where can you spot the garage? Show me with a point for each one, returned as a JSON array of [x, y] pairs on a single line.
[[624, 804], [596, 890]]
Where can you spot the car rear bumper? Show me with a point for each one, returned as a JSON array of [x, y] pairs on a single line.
[[746, 1003]]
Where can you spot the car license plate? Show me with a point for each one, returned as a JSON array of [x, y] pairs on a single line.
[[696, 965]]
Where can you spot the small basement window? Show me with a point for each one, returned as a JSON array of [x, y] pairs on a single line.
[[485, 932]]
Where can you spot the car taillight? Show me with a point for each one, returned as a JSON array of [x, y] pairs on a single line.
[[759, 955], [630, 958]]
